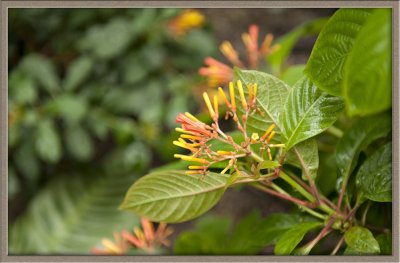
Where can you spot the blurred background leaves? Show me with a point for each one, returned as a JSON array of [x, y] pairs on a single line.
[[93, 95]]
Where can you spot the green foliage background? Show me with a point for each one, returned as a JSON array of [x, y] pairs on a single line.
[[93, 95]]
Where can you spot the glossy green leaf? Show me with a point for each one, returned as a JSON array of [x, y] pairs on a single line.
[[42, 70], [308, 152], [334, 43], [174, 196], [271, 96], [71, 215], [360, 241], [367, 78], [291, 238], [307, 112], [77, 72], [47, 143], [361, 134], [374, 178], [385, 243]]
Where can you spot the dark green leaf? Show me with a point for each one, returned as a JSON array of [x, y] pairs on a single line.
[[72, 108], [385, 243], [13, 183], [361, 134], [367, 78], [173, 196], [71, 215], [334, 43], [360, 241], [26, 161], [48, 144], [307, 112], [42, 70], [308, 152], [291, 238], [249, 236], [374, 178], [77, 72], [78, 142], [208, 238], [108, 41], [22, 88]]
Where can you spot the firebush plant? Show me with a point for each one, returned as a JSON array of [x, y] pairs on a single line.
[[323, 143]]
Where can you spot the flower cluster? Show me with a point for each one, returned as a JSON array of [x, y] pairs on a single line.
[[219, 73], [186, 21], [147, 239], [196, 135]]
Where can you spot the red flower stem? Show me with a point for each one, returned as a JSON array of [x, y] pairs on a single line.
[[337, 247], [324, 232], [284, 196]]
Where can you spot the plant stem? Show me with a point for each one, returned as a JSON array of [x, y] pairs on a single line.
[[342, 191], [308, 176], [296, 186], [335, 131], [282, 194], [324, 232], [365, 212], [337, 247]]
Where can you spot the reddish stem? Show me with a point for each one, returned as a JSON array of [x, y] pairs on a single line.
[[287, 197]]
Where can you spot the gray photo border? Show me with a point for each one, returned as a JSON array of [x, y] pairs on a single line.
[[198, 4]]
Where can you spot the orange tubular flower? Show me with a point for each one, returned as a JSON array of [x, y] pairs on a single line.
[[219, 73], [196, 134], [146, 239]]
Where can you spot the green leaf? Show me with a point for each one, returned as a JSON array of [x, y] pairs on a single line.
[[367, 78], [374, 178], [308, 151], [288, 41], [214, 235], [42, 70], [307, 112], [385, 243], [109, 40], [208, 238], [72, 108], [291, 238], [71, 215], [77, 72], [47, 143], [173, 196], [253, 233], [79, 143], [334, 43], [26, 161], [13, 183], [22, 88], [361, 134], [360, 241], [271, 97], [293, 74]]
